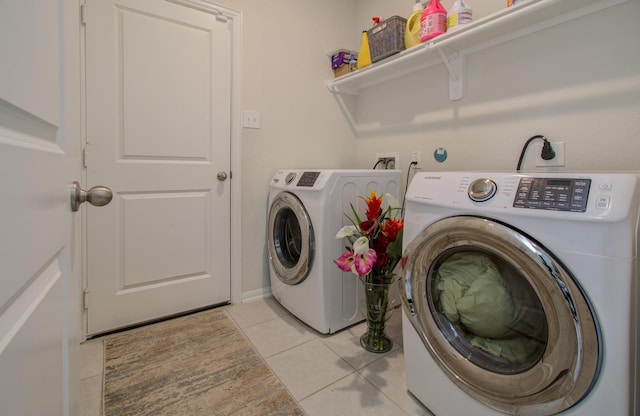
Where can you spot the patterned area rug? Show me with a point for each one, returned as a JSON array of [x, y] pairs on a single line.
[[199, 364]]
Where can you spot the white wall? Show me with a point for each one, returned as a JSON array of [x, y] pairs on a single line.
[[578, 83], [285, 63]]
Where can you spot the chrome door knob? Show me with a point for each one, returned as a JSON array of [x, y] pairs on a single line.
[[97, 196], [222, 176]]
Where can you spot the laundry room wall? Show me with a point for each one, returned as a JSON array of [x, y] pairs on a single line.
[[578, 83], [284, 52]]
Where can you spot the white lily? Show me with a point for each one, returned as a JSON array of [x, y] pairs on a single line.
[[361, 245], [346, 231], [393, 203]]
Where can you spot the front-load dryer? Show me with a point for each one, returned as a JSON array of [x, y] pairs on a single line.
[[306, 210], [520, 293]]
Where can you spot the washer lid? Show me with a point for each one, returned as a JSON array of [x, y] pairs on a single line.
[[501, 316], [290, 239]]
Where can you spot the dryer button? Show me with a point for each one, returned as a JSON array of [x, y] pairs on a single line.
[[603, 202]]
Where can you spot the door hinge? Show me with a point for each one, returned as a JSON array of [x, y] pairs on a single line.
[[83, 14], [85, 298]]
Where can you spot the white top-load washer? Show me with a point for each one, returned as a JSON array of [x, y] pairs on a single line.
[[307, 207], [520, 293]]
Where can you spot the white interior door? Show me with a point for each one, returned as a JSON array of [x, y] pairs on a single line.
[[39, 159], [158, 128]]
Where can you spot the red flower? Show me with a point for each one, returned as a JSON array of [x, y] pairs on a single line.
[[381, 260], [367, 227], [380, 244], [391, 227], [373, 205]]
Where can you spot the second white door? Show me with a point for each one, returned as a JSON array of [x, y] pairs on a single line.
[[158, 79]]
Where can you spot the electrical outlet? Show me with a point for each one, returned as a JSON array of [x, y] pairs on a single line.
[[389, 160], [558, 147], [416, 156]]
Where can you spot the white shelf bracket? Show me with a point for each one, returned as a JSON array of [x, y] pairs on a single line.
[[455, 66], [339, 90]]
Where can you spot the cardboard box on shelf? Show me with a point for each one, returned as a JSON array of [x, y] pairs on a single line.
[[342, 70], [340, 57]]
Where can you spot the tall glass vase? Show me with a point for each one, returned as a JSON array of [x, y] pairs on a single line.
[[378, 306]]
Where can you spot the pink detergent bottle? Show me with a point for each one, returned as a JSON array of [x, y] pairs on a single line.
[[433, 21]]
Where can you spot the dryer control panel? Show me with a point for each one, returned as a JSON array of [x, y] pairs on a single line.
[[308, 178], [559, 194]]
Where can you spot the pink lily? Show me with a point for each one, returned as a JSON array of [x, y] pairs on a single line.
[[360, 261], [365, 262], [346, 261]]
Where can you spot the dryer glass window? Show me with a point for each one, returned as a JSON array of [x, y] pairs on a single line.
[[487, 310], [287, 237]]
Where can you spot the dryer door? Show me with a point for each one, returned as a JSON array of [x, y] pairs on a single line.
[[501, 316], [290, 239]]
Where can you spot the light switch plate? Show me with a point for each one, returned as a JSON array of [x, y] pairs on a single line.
[[251, 120]]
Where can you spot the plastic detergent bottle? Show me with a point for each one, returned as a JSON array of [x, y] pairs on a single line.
[[364, 54], [459, 14], [412, 31], [433, 21]]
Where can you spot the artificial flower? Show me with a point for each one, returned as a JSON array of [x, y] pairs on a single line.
[[364, 262], [373, 205], [367, 227], [392, 227], [361, 245], [346, 261], [346, 231], [375, 243]]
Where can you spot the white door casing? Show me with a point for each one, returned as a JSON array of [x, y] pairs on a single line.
[[159, 129], [40, 138]]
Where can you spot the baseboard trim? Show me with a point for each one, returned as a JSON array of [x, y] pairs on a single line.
[[254, 295]]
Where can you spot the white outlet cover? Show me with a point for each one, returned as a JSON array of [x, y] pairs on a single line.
[[394, 155]]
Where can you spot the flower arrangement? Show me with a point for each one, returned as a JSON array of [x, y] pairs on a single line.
[[375, 243]]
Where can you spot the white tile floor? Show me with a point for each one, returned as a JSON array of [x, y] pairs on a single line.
[[327, 374]]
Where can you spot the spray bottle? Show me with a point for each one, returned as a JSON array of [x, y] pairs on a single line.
[[364, 53], [412, 31], [459, 14], [433, 21]]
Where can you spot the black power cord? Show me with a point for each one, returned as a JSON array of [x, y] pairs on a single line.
[[547, 150], [406, 185], [377, 163]]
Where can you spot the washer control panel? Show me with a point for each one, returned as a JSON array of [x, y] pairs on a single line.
[[558, 194]]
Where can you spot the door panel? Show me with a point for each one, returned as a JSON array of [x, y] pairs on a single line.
[[158, 128], [184, 253], [39, 158]]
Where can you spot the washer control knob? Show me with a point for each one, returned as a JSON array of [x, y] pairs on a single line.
[[482, 190], [290, 177]]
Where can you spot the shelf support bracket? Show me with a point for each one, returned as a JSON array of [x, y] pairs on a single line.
[[336, 90], [455, 65]]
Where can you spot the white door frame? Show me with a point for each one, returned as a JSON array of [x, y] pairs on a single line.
[[234, 19]]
